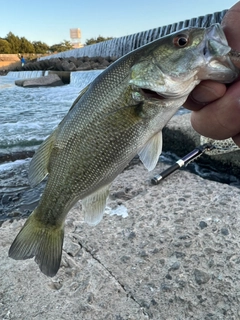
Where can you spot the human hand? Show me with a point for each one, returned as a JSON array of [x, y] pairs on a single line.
[[215, 106]]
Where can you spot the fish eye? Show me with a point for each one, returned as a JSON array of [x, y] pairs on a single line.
[[181, 40]]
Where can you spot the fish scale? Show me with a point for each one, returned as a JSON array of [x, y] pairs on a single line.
[[120, 114]]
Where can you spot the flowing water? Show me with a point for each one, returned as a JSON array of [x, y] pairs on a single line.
[[28, 115]]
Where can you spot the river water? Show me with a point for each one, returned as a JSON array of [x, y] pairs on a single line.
[[28, 115]]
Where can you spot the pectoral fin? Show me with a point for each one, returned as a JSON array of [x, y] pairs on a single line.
[[149, 155], [94, 205]]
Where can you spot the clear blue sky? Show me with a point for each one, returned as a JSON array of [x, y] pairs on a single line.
[[49, 21]]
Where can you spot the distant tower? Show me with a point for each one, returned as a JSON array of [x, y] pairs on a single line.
[[75, 35]]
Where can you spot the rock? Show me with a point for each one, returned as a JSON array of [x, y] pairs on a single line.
[[19, 82], [73, 59], [224, 231], [79, 63], [44, 64], [72, 67], [66, 66], [105, 64], [3, 72], [85, 66], [51, 80], [201, 277], [175, 266], [87, 59], [94, 65], [71, 247], [202, 224]]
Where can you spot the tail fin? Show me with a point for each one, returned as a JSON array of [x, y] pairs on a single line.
[[39, 240]]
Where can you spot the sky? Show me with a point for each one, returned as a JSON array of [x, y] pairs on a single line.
[[50, 21]]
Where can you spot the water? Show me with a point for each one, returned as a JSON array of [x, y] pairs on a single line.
[[29, 115]]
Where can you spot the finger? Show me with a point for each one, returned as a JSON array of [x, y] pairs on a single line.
[[206, 92], [236, 139], [231, 26], [220, 119]]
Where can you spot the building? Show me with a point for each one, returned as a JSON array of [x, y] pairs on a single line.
[[75, 35]]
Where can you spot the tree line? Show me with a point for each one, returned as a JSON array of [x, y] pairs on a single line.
[[14, 44]]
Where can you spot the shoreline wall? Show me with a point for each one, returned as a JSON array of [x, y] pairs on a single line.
[[9, 60]]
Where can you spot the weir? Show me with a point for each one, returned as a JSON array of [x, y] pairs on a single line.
[[118, 47], [77, 78], [25, 74], [82, 78]]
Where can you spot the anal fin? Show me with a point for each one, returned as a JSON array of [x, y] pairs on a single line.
[[94, 205]]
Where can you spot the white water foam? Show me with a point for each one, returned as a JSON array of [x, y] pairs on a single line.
[[25, 74]]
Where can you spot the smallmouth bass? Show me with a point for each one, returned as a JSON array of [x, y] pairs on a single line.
[[120, 114]]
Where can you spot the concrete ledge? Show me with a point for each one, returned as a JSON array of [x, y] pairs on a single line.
[[51, 80], [63, 75]]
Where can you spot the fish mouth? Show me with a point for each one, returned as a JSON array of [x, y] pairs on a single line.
[[155, 95], [149, 94], [216, 55]]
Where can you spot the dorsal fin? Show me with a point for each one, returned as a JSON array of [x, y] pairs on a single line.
[[94, 205], [150, 153], [38, 168]]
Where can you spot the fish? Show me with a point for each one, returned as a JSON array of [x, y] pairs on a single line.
[[117, 116]]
